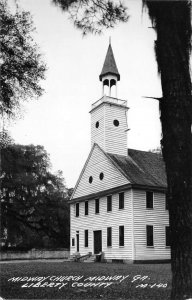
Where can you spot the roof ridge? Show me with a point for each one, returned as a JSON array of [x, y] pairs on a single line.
[[144, 151]]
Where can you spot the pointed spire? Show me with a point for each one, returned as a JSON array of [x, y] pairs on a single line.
[[109, 66]]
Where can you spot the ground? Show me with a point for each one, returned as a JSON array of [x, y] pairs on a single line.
[[119, 281]]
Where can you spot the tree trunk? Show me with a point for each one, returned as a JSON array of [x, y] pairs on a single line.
[[172, 21]]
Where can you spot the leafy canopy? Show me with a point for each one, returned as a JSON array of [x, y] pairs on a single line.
[[33, 200], [92, 16], [21, 64]]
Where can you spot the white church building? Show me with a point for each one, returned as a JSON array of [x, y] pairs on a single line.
[[118, 206]]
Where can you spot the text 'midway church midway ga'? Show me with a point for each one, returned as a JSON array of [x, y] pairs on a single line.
[[118, 206]]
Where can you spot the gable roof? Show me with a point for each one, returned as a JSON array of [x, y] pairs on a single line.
[[109, 66], [109, 160], [142, 168]]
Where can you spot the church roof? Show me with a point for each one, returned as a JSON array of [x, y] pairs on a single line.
[[109, 66], [142, 168]]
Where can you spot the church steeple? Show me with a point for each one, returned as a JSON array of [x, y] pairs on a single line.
[[108, 114], [109, 74]]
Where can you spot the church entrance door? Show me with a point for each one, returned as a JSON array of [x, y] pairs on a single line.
[[97, 241]]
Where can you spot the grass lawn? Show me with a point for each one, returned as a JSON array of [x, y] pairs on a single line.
[[111, 288]]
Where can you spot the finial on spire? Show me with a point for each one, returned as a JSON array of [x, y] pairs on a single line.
[[109, 40]]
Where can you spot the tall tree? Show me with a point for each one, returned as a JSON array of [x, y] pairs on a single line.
[[33, 200], [21, 64], [172, 22]]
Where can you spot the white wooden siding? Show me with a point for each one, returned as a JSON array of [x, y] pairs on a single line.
[[158, 217], [101, 221], [97, 134], [98, 163], [116, 137], [110, 138]]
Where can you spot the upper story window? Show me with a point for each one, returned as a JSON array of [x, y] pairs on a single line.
[[86, 208], [96, 206], [121, 235], [149, 199], [77, 209], [109, 203], [101, 176], [167, 236], [149, 235], [90, 179], [121, 200]]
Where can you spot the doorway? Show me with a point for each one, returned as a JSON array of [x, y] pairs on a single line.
[[97, 241]]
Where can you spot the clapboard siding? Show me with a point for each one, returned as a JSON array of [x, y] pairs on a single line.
[[98, 163], [97, 134], [116, 137], [101, 221], [158, 217], [110, 138]]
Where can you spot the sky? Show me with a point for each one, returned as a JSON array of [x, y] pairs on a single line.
[[60, 120]]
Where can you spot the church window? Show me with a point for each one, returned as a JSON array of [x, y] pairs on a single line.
[[149, 231], [109, 203], [86, 208], [86, 238], [121, 235], [109, 236], [166, 202], [149, 199], [101, 176], [167, 236], [121, 200], [73, 242], [90, 179], [77, 209], [96, 206], [97, 124], [116, 123]]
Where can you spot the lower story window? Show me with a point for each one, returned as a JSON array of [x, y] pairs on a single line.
[[73, 242], [121, 235], [86, 238], [149, 232], [109, 236], [167, 236]]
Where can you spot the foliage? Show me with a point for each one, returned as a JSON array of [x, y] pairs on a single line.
[[93, 15], [156, 150], [5, 139], [21, 64], [34, 204]]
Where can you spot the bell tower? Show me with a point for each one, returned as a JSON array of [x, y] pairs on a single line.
[[109, 75], [109, 114]]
